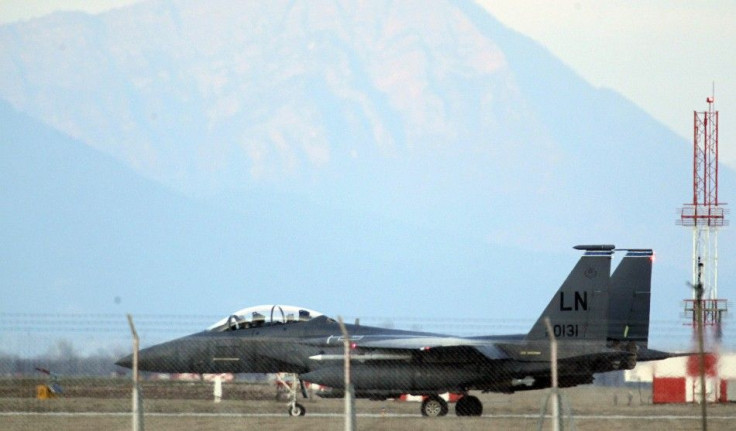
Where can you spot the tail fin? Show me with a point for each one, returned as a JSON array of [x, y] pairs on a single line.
[[579, 309], [631, 285]]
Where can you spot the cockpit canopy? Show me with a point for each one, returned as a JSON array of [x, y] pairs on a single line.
[[264, 315]]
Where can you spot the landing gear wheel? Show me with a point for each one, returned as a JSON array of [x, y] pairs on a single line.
[[469, 406], [297, 410], [434, 406]]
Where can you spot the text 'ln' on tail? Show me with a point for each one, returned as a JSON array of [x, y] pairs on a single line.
[[579, 309]]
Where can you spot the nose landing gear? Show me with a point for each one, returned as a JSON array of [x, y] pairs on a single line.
[[294, 383], [296, 409]]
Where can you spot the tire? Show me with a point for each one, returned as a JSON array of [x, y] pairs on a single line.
[[469, 406], [434, 406], [630, 363], [297, 410]]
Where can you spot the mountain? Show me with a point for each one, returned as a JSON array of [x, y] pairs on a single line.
[[85, 234], [418, 159]]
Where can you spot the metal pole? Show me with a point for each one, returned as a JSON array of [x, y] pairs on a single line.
[[701, 365], [556, 422], [137, 410], [699, 290], [349, 401]]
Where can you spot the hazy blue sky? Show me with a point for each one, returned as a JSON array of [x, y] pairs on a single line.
[[662, 54]]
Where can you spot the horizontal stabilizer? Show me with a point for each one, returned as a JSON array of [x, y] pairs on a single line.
[[646, 354], [602, 247]]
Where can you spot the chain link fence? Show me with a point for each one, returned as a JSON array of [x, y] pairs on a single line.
[[73, 356]]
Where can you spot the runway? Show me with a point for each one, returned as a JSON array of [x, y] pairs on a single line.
[[359, 415]]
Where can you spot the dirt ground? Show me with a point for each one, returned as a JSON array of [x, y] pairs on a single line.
[[105, 405]]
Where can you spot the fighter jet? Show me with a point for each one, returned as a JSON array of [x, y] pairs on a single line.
[[601, 323]]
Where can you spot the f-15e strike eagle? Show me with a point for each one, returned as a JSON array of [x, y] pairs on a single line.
[[600, 320]]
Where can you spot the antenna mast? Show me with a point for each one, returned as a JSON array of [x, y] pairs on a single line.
[[705, 215]]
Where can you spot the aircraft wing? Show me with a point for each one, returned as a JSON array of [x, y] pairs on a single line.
[[457, 347]]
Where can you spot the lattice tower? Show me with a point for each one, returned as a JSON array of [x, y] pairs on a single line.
[[705, 214]]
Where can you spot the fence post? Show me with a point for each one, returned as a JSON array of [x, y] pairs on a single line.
[[217, 390], [349, 399], [553, 365], [137, 410]]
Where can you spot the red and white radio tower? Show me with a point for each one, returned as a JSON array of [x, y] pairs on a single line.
[[705, 215]]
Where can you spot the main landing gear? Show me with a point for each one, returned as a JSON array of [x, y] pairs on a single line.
[[433, 406], [468, 405]]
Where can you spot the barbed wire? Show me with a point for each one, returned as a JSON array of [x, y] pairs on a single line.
[[189, 323]]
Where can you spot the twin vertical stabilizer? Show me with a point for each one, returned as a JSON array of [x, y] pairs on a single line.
[[592, 304], [631, 285]]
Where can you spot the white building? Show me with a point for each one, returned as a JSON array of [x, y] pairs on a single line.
[[676, 380]]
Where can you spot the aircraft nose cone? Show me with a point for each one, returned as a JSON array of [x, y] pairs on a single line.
[[126, 362]]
